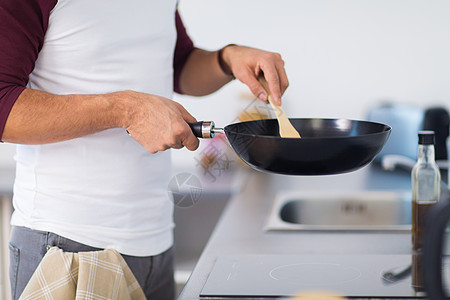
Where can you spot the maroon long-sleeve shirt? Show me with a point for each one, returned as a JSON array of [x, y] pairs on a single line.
[[23, 25]]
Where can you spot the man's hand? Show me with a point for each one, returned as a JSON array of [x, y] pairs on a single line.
[[247, 63], [157, 123]]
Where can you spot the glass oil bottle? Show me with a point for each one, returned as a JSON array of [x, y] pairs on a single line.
[[425, 180]]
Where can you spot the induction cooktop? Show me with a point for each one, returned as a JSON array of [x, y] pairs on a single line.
[[351, 276]]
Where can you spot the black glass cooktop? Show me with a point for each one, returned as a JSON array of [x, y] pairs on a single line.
[[352, 276]]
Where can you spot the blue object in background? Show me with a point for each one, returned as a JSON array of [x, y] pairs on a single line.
[[405, 121]]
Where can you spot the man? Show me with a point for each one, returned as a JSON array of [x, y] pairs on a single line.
[[84, 92]]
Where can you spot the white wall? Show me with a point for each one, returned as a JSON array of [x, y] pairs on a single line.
[[341, 55]]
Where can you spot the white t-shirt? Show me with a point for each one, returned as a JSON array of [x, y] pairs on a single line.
[[104, 190]]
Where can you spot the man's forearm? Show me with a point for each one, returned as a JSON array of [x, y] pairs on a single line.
[[157, 123], [201, 74], [38, 117]]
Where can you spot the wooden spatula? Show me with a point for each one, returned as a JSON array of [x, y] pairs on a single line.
[[286, 128]]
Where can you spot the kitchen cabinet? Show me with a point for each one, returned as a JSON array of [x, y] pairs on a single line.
[[193, 227], [240, 231], [5, 216], [6, 184], [196, 217]]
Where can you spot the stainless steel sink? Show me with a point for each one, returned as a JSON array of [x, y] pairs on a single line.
[[341, 211]]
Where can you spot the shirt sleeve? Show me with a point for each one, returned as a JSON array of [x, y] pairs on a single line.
[[183, 48], [22, 26]]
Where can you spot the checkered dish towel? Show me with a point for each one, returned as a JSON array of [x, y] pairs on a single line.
[[85, 275]]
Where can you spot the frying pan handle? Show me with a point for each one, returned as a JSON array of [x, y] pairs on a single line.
[[203, 129]]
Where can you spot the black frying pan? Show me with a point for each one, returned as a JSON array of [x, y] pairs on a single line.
[[327, 146]]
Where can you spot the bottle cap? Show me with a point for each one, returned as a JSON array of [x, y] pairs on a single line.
[[426, 137]]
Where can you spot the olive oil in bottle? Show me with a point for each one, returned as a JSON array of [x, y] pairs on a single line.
[[425, 180], [417, 272]]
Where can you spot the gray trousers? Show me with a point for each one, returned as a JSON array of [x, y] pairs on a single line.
[[28, 247]]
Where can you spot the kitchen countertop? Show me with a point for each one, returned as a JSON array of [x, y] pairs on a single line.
[[7, 175], [240, 228]]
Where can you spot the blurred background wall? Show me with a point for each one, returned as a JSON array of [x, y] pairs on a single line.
[[342, 56]]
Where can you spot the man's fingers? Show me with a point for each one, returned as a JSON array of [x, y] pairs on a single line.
[[189, 140], [284, 82], [185, 114], [249, 79], [273, 80]]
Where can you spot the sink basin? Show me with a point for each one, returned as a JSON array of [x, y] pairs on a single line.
[[341, 210]]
